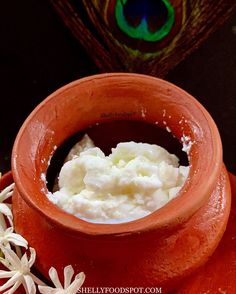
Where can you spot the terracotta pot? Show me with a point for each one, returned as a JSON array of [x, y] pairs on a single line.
[[157, 250]]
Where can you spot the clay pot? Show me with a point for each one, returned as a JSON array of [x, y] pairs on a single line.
[[157, 250]]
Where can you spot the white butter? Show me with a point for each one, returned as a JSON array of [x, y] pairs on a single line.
[[130, 183]]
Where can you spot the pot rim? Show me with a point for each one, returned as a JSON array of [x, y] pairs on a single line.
[[182, 207]]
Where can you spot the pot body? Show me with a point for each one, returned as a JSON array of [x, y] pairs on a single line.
[[139, 260], [157, 250]]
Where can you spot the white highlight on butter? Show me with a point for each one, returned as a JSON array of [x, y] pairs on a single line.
[[43, 177], [187, 143], [133, 181]]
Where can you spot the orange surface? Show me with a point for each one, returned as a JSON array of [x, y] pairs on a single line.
[[219, 274], [158, 249]]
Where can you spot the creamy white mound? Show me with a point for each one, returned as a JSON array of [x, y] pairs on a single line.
[[133, 181]]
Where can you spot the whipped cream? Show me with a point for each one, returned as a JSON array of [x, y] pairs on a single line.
[[132, 182]]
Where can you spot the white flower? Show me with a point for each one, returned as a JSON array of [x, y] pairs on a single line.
[[69, 288], [19, 272], [4, 207], [7, 237], [19, 267], [7, 192]]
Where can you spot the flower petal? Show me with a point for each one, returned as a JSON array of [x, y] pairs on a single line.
[[11, 257], [24, 261], [9, 230], [5, 274], [5, 262], [7, 192], [77, 283], [4, 209], [14, 288], [17, 239], [10, 282], [80, 276], [49, 290], [68, 274], [32, 256], [29, 285], [54, 277], [37, 280]]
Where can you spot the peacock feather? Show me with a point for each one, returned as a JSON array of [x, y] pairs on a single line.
[[146, 36]]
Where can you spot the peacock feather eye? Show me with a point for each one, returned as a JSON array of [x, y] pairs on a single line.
[[147, 20], [147, 26]]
